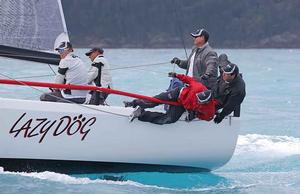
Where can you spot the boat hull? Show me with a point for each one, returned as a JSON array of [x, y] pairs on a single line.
[[38, 136]]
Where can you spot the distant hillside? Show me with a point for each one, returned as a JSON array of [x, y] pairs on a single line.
[[167, 23]]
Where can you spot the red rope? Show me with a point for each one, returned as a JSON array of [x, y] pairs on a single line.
[[80, 87]]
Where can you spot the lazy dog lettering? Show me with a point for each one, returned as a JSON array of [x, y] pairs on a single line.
[[42, 126]]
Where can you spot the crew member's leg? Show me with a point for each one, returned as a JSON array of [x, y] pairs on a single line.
[[54, 96], [74, 100], [171, 95], [102, 98], [171, 116]]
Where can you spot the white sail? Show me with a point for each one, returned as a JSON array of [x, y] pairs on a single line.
[[31, 24]]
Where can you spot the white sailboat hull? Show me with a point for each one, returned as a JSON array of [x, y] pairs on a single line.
[[33, 133]]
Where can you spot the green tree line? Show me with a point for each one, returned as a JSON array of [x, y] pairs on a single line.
[[167, 23]]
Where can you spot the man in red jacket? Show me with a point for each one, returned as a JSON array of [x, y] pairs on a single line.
[[193, 97]]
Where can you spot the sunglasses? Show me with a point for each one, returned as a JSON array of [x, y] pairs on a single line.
[[60, 51]]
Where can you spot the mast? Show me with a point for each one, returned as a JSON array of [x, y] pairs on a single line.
[[62, 17]]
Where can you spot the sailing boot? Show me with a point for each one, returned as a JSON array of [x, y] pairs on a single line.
[[136, 113]]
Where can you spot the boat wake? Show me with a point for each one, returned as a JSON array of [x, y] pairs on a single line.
[[50, 177], [255, 152], [272, 146], [275, 146], [255, 155], [67, 179]]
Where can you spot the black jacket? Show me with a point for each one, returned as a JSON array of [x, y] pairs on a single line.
[[229, 95]]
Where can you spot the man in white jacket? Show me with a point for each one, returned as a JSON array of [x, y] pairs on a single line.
[[99, 75], [71, 70]]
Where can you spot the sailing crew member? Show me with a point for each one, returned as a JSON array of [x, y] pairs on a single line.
[[222, 62], [99, 75], [193, 97], [71, 70], [202, 62], [229, 92]]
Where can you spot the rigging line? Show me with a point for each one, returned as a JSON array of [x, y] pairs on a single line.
[[48, 58], [134, 66], [174, 67], [179, 27], [50, 75], [35, 76], [80, 105], [147, 70], [52, 69]]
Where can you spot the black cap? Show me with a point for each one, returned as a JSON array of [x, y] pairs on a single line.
[[64, 45], [100, 50], [223, 60], [201, 32], [204, 97], [231, 69], [223, 57]]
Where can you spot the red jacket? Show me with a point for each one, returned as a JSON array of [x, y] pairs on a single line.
[[189, 101]]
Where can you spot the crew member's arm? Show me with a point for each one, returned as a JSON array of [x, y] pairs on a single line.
[[185, 78], [212, 67], [204, 116], [233, 101], [92, 74], [180, 63], [62, 70], [206, 112], [211, 63], [183, 64], [190, 116]]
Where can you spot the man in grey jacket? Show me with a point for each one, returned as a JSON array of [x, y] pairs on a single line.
[[202, 62]]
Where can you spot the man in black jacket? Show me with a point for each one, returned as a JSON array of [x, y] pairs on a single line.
[[229, 92]]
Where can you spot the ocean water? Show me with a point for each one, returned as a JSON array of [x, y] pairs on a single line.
[[267, 156]]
